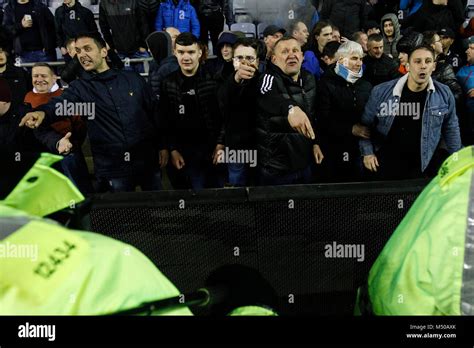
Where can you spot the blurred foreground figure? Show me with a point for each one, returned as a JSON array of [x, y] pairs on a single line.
[[426, 268], [47, 269]]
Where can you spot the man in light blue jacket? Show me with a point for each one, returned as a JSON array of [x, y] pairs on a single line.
[[179, 14], [409, 118]]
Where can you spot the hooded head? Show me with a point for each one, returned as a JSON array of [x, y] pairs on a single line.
[[390, 26], [224, 45], [159, 44]]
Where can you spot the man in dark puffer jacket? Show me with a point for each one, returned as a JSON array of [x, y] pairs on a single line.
[[286, 142], [349, 15]]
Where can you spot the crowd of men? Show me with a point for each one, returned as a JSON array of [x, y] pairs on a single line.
[[348, 91]]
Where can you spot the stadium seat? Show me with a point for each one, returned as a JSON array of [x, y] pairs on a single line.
[[247, 28]]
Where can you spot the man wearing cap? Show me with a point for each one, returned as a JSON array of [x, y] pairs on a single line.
[[447, 37], [272, 34], [466, 78]]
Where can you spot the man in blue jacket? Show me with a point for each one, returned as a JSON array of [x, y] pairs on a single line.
[[179, 14], [465, 77], [122, 120], [408, 118]]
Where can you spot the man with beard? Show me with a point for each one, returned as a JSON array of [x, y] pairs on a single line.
[[122, 126], [286, 142], [408, 118]]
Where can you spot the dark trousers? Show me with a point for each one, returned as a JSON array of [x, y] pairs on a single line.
[[299, 177], [148, 181], [75, 168], [212, 24]]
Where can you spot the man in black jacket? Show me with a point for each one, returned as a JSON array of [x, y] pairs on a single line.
[[124, 27], [70, 20], [342, 95], [122, 120], [18, 79], [194, 127], [20, 147], [349, 15], [286, 142], [31, 24], [211, 14], [378, 66]]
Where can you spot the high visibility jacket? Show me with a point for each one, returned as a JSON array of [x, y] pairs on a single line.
[[46, 269], [426, 268]]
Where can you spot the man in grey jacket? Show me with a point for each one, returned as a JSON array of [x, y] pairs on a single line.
[[409, 118]]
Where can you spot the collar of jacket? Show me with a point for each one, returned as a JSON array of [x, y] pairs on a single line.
[[107, 75], [397, 90]]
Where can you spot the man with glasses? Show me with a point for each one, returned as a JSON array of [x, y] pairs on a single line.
[[239, 105]]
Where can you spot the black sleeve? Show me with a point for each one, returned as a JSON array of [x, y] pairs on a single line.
[[71, 70], [48, 137], [104, 25], [58, 19]]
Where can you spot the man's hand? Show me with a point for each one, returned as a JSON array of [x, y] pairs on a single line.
[[361, 131], [371, 163], [344, 39], [164, 157], [471, 93], [318, 154], [177, 160], [32, 119], [244, 72], [217, 153], [64, 145], [26, 23], [63, 51], [300, 122]]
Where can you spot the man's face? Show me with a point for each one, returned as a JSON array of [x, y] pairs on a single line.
[[437, 45], [373, 31], [325, 36], [3, 58], [188, 58], [288, 57], [403, 58], [43, 79], [301, 33], [353, 62], [336, 36], [388, 28], [227, 52], [328, 61], [69, 3], [245, 55], [421, 66], [470, 54], [90, 56], [375, 49], [446, 42], [363, 40], [270, 40], [174, 33], [4, 107]]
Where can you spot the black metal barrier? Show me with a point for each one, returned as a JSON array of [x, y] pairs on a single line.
[[285, 233]]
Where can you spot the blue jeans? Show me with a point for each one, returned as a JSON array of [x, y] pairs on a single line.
[[297, 178], [200, 170], [35, 56], [75, 168], [148, 182], [137, 67], [238, 174]]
